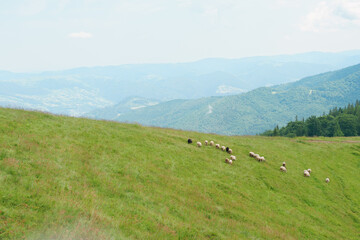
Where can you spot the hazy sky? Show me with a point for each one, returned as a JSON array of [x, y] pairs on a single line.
[[40, 35]]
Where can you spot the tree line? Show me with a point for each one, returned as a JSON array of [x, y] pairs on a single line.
[[338, 122]]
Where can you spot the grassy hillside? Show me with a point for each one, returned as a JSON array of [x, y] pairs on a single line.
[[69, 178], [255, 111]]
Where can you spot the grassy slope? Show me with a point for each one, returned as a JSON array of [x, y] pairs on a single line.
[[68, 178]]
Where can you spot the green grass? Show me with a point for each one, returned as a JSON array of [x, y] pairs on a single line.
[[71, 178]]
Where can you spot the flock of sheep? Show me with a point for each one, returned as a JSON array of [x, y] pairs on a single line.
[[223, 148], [257, 156], [306, 171], [251, 154]]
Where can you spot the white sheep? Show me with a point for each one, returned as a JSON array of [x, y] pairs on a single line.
[[232, 157], [206, 142], [284, 164], [230, 151], [198, 144], [223, 148], [251, 154], [327, 180], [217, 145], [256, 156], [283, 169], [306, 173], [230, 161], [211, 143], [309, 170], [227, 160]]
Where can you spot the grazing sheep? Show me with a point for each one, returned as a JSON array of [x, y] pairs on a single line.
[[223, 148], [198, 144], [230, 151], [211, 143], [309, 170], [206, 142], [232, 157], [306, 173], [251, 154], [217, 145], [327, 180], [261, 159], [227, 160], [227, 149], [283, 169], [284, 164], [256, 156], [230, 161], [189, 141]]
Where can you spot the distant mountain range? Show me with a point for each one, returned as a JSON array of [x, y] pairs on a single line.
[[255, 111], [83, 90]]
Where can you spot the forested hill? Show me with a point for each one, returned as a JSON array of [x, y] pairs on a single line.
[[258, 110], [338, 122]]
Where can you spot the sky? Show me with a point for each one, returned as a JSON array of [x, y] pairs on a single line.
[[39, 35]]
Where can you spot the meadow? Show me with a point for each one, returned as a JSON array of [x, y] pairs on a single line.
[[75, 178]]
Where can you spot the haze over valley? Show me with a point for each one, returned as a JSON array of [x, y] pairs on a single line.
[[84, 91]]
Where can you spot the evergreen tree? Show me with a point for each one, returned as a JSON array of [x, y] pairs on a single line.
[[276, 131], [348, 124], [300, 129], [334, 129], [313, 126], [337, 130]]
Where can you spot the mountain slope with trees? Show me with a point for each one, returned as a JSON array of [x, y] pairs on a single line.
[[338, 122], [255, 111]]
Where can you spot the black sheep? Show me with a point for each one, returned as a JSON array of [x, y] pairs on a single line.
[[227, 149], [189, 141]]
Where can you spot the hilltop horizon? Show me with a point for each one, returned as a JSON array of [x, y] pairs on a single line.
[[53, 35]]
